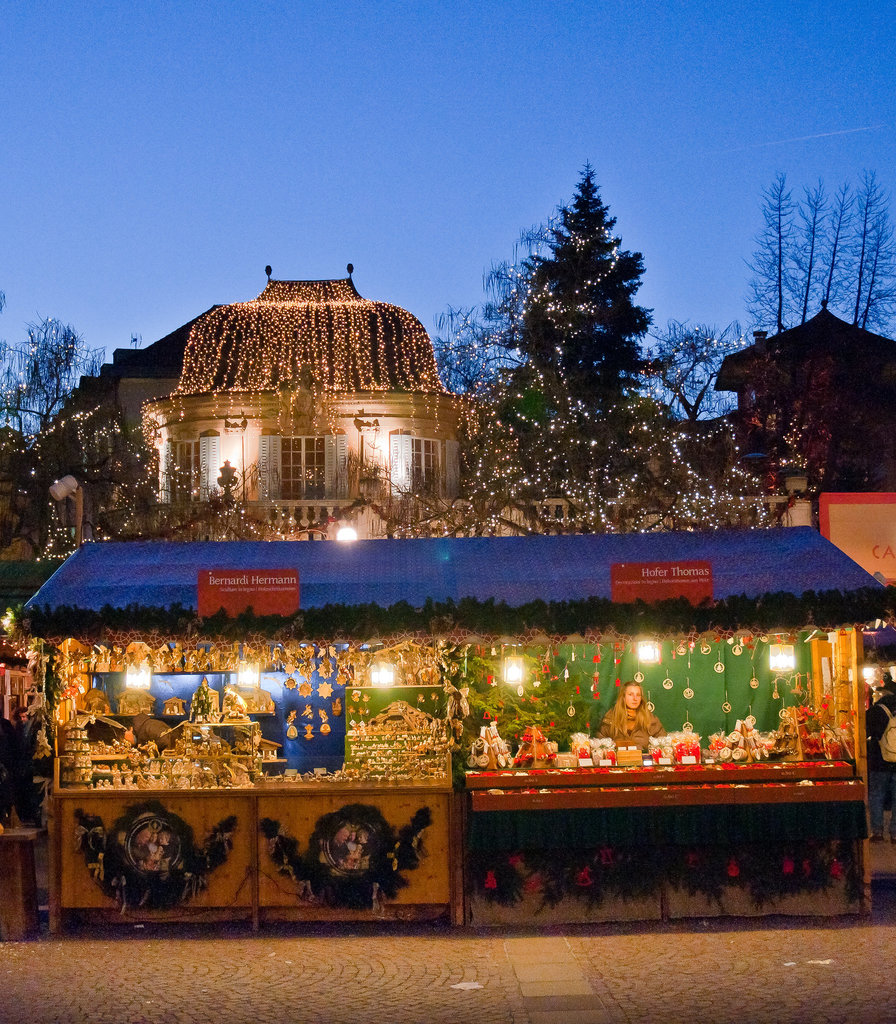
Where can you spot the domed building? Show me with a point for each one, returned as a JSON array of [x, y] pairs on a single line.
[[306, 406]]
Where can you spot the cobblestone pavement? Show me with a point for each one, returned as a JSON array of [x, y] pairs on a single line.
[[766, 971]]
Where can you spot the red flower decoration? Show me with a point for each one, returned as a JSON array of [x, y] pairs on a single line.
[[836, 869], [490, 881], [606, 855], [787, 866], [584, 879], [733, 868]]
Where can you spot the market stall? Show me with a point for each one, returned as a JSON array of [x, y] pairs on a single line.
[[311, 697]]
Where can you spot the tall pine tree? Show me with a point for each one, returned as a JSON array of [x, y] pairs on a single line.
[[580, 319]]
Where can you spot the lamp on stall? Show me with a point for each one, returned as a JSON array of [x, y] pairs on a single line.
[[382, 673], [345, 532], [138, 677], [781, 658], [649, 652], [868, 673], [68, 487], [514, 670], [248, 675]]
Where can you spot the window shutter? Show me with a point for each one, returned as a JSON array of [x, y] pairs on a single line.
[[269, 449], [166, 467], [452, 469], [209, 465], [400, 463], [336, 465]]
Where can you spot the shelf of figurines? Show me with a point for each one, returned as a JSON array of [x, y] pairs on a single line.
[[800, 752], [200, 755]]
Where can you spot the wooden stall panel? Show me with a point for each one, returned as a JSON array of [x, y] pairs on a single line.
[[84, 881], [341, 844]]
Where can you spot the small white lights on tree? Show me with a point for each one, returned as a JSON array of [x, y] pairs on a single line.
[[781, 658]]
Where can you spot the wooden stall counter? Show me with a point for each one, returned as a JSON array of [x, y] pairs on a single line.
[[277, 851], [662, 842]]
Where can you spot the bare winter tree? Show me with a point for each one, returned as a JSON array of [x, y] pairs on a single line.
[[683, 364], [39, 375], [771, 286], [838, 253]]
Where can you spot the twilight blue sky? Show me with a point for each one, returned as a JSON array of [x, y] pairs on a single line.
[[154, 156]]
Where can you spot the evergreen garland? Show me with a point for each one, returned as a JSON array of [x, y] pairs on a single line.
[[767, 872], [780, 610]]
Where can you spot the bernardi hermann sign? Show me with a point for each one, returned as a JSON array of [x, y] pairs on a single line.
[[265, 591], [658, 581]]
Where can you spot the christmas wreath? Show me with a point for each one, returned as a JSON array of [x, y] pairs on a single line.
[[354, 856], [149, 858]]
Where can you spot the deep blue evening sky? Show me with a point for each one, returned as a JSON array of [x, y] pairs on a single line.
[[155, 156]]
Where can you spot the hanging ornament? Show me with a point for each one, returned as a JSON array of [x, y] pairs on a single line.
[[686, 726], [726, 704], [667, 683], [705, 648], [639, 676], [737, 649], [719, 665], [520, 691], [651, 707], [754, 683], [291, 731], [687, 693]]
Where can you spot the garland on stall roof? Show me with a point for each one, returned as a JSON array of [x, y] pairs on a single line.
[[822, 609], [768, 873]]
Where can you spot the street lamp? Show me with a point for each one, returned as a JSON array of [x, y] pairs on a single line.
[[68, 487]]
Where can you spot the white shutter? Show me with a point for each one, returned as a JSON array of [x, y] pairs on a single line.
[[269, 450], [452, 469], [336, 465], [166, 468], [400, 463], [209, 465]]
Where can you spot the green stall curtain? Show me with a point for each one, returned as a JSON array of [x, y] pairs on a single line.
[[656, 826]]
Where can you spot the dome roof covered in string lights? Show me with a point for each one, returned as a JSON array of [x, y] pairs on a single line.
[[320, 334]]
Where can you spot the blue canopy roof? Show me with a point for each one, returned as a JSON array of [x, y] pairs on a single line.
[[511, 569]]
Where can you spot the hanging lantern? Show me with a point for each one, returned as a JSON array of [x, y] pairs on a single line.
[[514, 670], [248, 675], [649, 652], [138, 677], [781, 658], [382, 673]]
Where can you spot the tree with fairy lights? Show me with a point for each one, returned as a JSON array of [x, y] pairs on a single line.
[[568, 433]]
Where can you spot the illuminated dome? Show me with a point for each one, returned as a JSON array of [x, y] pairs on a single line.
[[316, 333]]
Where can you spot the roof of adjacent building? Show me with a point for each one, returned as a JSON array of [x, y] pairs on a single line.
[[163, 358], [311, 333], [823, 334], [514, 570]]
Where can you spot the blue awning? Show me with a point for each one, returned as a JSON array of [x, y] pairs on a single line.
[[511, 569]]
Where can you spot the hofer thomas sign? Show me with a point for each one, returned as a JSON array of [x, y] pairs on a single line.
[[265, 591], [658, 581]]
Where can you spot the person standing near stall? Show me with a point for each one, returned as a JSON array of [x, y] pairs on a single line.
[[23, 770], [629, 723], [7, 768], [881, 773]]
